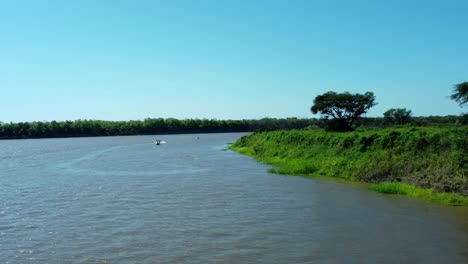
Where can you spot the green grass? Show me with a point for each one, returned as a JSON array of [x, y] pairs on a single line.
[[416, 192], [427, 157]]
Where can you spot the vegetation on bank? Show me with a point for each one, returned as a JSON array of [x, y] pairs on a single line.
[[418, 192], [153, 126], [433, 158], [149, 126]]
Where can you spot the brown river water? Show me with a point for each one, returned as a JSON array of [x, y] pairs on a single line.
[[124, 200]]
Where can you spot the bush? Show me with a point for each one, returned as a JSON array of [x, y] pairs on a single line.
[[428, 157]]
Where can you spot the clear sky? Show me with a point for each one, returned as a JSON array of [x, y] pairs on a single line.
[[122, 60]]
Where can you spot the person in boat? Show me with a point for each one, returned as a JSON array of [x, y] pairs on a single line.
[[157, 142]]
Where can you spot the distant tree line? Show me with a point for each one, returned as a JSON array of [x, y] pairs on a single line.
[[340, 112], [149, 126], [413, 121], [154, 126]]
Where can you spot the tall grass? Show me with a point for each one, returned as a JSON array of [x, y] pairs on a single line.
[[425, 194], [428, 157]]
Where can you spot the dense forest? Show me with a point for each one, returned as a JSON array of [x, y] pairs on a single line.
[[149, 126], [152, 126]]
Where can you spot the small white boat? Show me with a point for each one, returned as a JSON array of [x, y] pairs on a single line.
[[159, 142]]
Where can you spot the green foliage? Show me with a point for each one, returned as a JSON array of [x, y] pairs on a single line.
[[425, 194], [428, 157], [149, 126], [152, 126], [398, 116], [460, 93], [344, 108], [444, 121]]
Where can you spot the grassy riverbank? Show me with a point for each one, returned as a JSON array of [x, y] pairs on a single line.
[[425, 162]]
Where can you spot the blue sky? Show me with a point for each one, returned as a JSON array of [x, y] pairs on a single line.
[[122, 60]]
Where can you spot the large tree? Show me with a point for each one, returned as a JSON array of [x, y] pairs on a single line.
[[460, 93], [344, 108]]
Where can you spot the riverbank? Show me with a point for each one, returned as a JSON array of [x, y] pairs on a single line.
[[424, 162]]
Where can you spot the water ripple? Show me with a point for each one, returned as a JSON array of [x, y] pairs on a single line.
[[120, 200]]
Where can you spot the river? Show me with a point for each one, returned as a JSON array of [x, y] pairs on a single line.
[[124, 200]]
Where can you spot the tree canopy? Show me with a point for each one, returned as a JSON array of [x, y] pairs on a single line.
[[398, 116], [344, 108], [460, 93]]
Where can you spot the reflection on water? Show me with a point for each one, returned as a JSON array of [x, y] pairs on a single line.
[[123, 200]]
